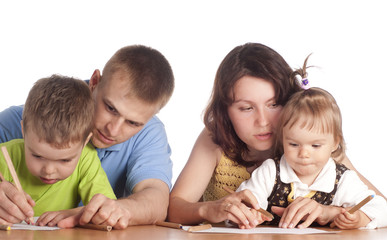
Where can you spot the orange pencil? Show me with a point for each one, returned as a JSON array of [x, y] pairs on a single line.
[[13, 173], [261, 210]]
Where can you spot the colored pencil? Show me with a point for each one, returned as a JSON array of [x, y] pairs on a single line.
[[261, 210], [199, 228], [169, 224], [5, 227], [96, 227]]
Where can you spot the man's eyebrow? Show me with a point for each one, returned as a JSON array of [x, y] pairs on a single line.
[[106, 101]]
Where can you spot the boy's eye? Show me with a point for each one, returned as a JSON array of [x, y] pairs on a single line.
[[66, 160], [36, 156], [316, 145]]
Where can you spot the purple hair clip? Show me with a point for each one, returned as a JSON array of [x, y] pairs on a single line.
[[305, 84]]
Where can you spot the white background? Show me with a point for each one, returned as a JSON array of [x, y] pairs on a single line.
[[347, 38]]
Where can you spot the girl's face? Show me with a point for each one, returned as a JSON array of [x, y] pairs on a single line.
[[307, 151], [254, 113]]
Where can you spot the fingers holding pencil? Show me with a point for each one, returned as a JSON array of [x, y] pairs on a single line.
[[10, 196]]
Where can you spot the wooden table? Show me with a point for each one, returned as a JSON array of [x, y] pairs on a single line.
[[162, 233]]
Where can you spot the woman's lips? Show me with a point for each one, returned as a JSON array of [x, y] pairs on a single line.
[[263, 136]]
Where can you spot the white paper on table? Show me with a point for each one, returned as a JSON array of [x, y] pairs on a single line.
[[263, 230], [25, 226]]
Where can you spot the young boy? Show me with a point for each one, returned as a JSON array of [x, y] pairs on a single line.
[[54, 162]]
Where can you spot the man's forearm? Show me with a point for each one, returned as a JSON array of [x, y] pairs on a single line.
[[148, 203]]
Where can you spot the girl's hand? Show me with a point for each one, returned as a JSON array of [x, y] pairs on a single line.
[[236, 208], [345, 220], [307, 210]]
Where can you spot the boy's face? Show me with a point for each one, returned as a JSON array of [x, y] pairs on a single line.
[[48, 163], [118, 116], [307, 151]]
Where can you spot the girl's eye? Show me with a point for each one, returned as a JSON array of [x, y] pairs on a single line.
[[293, 144], [36, 156], [316, 145], [66, 160]]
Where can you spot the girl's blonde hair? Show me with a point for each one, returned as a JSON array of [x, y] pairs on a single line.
[[316, 110]]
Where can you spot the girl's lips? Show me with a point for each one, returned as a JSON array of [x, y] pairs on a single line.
[[263, 136], [48, 181]]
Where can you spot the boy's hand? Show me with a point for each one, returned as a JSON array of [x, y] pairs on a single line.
[[14, 207], [307, 210], [52, 219], [345, 220]]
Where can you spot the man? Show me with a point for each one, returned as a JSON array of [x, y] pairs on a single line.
[[131, 143]]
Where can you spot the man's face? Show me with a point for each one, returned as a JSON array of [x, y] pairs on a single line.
[[119, 115]]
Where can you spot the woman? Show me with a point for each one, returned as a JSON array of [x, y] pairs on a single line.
[[251, 86]]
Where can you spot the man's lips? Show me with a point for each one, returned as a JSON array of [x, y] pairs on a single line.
[[104, 139]]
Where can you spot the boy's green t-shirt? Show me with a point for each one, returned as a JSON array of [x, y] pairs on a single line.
[[88, 179]]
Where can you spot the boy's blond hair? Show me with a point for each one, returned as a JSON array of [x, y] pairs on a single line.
[[59, 110], [151, 77]]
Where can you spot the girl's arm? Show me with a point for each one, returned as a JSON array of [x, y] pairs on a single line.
[[184, 205], [348, 164]]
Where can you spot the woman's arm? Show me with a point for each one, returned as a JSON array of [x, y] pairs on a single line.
[[184, 205], [348, 164]]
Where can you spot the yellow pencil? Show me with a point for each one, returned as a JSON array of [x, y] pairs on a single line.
[[13, 173], [5, 227], [261, 210]]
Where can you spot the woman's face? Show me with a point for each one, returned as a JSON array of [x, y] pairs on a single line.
[[254, 112]]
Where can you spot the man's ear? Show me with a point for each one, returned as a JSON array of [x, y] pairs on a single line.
[[94, 80]]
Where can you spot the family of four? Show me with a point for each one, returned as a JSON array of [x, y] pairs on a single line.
[[94, 152]]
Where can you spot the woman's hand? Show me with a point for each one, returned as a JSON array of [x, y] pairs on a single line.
[[307, 210]]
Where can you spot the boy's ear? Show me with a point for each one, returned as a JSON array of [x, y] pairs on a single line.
[[94, 80], [21, 124], [88, 138]]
